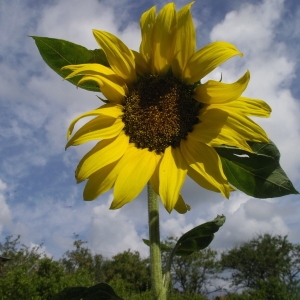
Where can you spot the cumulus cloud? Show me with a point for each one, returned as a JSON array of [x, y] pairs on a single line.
[[252, 29], [37, 106], [5, 213], [113, 232]]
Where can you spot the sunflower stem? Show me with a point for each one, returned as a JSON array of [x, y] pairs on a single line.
[[158, 290]]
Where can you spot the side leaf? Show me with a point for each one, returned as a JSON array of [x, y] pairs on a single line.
[[198, 238], [59, 53], [194, 240], [98, 291], [257, 174]]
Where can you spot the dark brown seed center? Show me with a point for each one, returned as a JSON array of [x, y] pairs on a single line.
[[159, 112]]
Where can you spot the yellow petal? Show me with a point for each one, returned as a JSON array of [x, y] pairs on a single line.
[[138, 166], [110, 110], [120, 58], [201, 180], [111, 89], [100, 182], [88, 69], [104, 179], [104, 153], [205, 160], [215, 92], [162, 39], [172, 173], [251, 107], [181, 207], [185, 40], [147, 22], [141, 65], [214, 135], [102, 127], [207, 59], [228, 116], [154, 180], [111, 85]]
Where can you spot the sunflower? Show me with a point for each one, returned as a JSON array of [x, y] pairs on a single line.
[[160, 123]]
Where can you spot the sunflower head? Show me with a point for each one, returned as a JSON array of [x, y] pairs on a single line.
[[160, 123], [159, 112]]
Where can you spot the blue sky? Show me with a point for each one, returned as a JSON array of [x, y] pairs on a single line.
[[39, 198]]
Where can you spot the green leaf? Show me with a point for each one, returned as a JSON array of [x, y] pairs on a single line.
[[192, 241], [101, 291], [72, 293], [257, 174], [198, 238], [59, 53], [98, 291]]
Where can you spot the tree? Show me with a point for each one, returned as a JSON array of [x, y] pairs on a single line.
[[129, 268], [195, 273], [81, 265], [49, 278], [20, 255], [29, 274], [266, 263]]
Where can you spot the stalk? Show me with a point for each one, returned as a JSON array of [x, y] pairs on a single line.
[[158, 290]]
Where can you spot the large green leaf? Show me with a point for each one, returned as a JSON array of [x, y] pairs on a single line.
[[98, 291], [59, 53], [257, 174]]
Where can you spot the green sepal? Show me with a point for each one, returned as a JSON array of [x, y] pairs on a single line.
[[59, 53], [257, 174], [98, 291]]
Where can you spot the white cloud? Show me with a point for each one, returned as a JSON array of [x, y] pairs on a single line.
[[76, 24], [252, 29], [253, 217], [112, 231], [5, 212], [38, 107], [252, 26], [175, 226]]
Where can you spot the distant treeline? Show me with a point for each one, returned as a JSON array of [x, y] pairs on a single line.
[[266, 267]]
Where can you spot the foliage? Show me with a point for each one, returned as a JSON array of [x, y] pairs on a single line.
[[81, 266], [267, 267], [268, 264], [129, 271], [195, 273], [30, 274], [20, 255]]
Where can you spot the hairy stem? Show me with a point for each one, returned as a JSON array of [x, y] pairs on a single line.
[[158, 290]]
